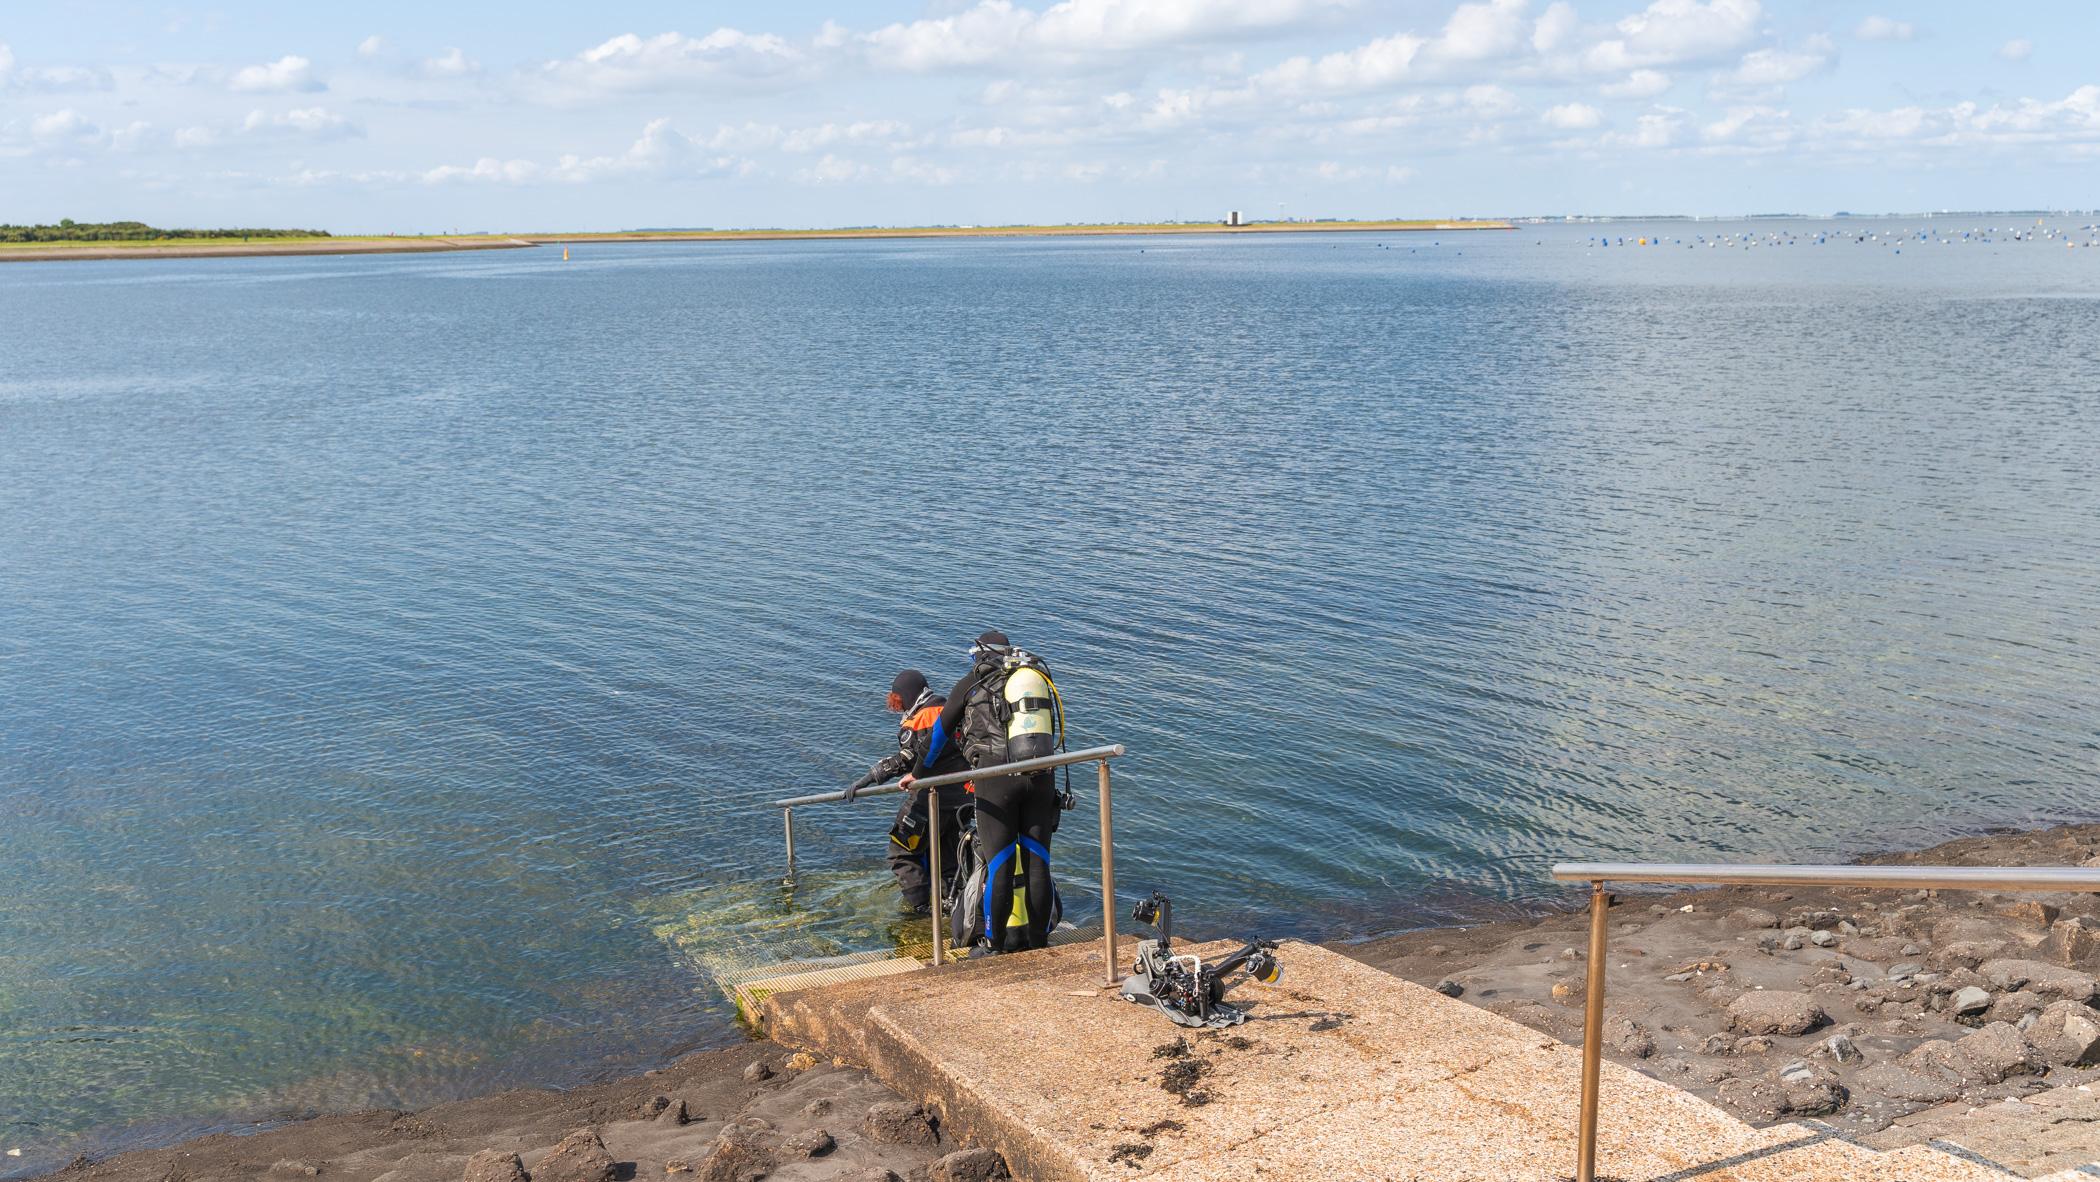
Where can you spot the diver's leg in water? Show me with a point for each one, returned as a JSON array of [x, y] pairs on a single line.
[[1038, 820], [910, 865], [998, 822]]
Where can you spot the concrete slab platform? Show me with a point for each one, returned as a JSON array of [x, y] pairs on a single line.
[[1342, 1072]]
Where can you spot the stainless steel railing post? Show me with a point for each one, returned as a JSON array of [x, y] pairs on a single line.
[[1108, 882], [933, 867], [1593, 1034], [788, 817]]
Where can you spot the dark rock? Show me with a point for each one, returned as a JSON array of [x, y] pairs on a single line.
[[674, 1114], [1842, 1049], [2048, 980], [2067, 1033], [900, 1123], [1450, 988], [494, 1165], [1986, 1057], [2012, 1007], [578, 1157], [1753, 917], [1754, 1045], [1995, 1052], [810, 1143], [1793, 942], [758, 1072], [1628, 1038], [1803, 1091], [1906, 1083], [817, 1107], [654, 1105], [736, 1156], [1963, 954], [2032, 911], [2073, 943], [1823, 939], [969, 1165], [1812, 917], [1775, 1012], [1969, 1000]]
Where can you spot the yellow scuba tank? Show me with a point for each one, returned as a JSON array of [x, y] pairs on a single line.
[[1031, 729]]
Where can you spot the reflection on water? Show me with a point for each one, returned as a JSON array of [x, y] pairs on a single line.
[[398, 653]]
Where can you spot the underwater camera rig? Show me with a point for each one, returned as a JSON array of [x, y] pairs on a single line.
[[1185, 989]]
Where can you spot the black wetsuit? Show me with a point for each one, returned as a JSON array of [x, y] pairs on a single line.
[[910, 863], [1015, 817]]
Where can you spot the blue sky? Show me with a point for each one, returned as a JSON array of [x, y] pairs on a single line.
[[397, 117]]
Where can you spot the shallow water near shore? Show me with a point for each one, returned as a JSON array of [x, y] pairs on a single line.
[[389, 646]]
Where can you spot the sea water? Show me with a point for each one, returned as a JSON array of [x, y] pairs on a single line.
[[398, 654]]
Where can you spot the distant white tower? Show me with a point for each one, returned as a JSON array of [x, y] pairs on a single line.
[[1233, 218]]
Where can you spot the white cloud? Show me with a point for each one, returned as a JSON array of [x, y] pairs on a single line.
[[661, 151], [1481, 31], [288, 73], [195, 137], [1669, 32], [1881, 28], [313, 123], [65, 127], [453, 64], [1555, 27], [1573, 117], [810, 139], [1658, 130], [2019, 49], [49, 78], [1758, 127], [999, 32], [371, 46], [1777, 67], [487, 169], [1384, 62], [668, 60], [1639, 84], [832, 170]]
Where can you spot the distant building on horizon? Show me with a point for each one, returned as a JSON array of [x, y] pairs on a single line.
[[1233, 218]]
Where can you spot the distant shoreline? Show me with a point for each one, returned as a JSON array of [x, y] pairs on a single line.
[[196, 248]]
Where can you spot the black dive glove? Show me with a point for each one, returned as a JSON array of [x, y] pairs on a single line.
[[853, 789]]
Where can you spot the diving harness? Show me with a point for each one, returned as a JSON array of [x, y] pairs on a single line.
[[1187, 991]]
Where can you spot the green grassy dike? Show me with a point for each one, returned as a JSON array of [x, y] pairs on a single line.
[[294, 243]]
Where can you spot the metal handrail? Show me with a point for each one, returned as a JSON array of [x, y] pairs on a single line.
[[1100, 755], [1953, 878], [1017, 768]]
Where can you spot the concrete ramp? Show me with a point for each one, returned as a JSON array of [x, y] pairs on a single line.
[[1342, 1072]]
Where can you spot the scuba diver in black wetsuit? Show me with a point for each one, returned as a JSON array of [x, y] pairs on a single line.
[[921, 709], [1005, 709]]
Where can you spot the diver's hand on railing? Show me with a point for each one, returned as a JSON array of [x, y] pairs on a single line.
[[853, 789], [907, 781]]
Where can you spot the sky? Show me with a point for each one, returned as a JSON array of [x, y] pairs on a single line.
[[388, 117]]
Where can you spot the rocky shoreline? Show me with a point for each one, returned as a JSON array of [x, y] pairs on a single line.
[[1890, 1015], [1894, 1017]]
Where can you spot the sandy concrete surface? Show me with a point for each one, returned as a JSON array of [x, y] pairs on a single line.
[[1341, 1072]]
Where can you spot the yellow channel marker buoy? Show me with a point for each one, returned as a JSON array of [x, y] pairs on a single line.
[[565, 254]]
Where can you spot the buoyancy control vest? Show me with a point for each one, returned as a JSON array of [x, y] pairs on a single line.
[[1013, 711]]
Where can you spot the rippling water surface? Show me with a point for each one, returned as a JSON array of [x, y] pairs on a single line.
[[394, 650]]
